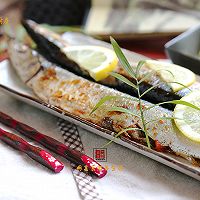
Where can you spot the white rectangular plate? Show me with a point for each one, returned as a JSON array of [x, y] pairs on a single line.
[[10, 83]]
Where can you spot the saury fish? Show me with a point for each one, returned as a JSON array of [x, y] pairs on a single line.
[[78, 96], [52, 47]]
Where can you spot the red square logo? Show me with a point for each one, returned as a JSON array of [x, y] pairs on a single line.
[[100, 154]]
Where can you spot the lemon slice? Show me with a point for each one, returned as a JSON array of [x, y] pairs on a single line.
[[98, 61], [189, 118], [180, 74]]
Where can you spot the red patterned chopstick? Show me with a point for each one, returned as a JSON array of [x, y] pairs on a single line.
[[34, 152], [54, 145]]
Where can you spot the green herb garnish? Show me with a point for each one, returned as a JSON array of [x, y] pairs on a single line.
[[135, 74]]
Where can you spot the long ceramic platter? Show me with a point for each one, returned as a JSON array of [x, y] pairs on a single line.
[[10, 83]]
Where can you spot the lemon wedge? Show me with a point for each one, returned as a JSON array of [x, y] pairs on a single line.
[[98, 61], [189, 118], [178, 74]]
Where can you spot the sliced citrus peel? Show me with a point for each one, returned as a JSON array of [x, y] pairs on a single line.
[[98, 61], [187, 119], [172, 73]]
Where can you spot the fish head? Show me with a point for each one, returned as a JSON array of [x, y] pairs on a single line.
[[24, 60]]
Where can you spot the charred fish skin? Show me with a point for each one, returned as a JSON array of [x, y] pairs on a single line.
[[155, 96], [50, 45], [78, 96]]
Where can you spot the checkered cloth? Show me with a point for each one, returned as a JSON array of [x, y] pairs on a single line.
[[84, 181]]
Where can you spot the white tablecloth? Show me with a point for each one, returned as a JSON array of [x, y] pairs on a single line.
[[140, 178]]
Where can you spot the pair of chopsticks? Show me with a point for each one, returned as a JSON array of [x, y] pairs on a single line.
[[50, 143], [34, 152]]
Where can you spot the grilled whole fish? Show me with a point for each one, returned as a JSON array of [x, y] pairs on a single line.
[[52, 46], [77, 95]]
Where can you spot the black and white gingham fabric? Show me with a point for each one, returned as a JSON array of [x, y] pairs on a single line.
[[84, 181]]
